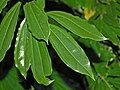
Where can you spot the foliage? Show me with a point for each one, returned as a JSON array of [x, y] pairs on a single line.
[[97, 27]]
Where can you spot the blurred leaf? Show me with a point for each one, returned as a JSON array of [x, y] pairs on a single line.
[[11, 80], [116, 30], [59, 83], [77, 25], [41, 3], [114, 72], [115, 82], [106, 30], [104, 52], [69, 51], [74, 3], [3, 3], [7, 28], [101, 69], [90, 4], [37, 21], [38, 64], [101, 83], [22, 53]]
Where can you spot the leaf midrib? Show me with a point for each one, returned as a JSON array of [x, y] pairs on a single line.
[[71, 53], [73, 23], [39, 25], [7, 26]]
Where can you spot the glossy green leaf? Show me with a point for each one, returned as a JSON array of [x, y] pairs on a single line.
[[3, 3], [22, 53], [7, 28], [38, 64], [77, 25], [69, 51], [11, 80], [37, 21], [59, 83]]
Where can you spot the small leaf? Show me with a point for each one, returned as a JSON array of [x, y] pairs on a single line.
[[38, 65], [77, 25], [22, 53], [88, 14], [7, 28], [3, 3], [69, 51], [37, 21]]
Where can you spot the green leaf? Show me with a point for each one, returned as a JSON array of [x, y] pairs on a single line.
[[3, 3], [69, 51], [11, 80], [74, 3], [90, 4], [7, 28], [38, 64], [101, 69], [107, 31], [104, 52], [77, 25], [114, 71], [37, 21], [59, 83], [115, 82], [41, 3], [46, 61], [22, 53]]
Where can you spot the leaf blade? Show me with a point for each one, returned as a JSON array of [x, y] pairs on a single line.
[[69, 51], [3, 3], [7, 29], [22, 53], [37, 65], [76, 25], [37, 21]]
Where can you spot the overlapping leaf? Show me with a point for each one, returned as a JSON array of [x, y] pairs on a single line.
[[107, 31], [38, 62], [37, 21], [22, 53], [77, 25], [7, 28], [69, 51], [3, 3]]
